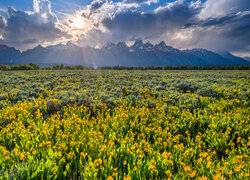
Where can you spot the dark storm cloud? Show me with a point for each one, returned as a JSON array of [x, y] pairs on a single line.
[[24, 29], [94, 7], [231, 32], [221, 20], [212, 24], [217, 21], [183, 24], [169, 18]]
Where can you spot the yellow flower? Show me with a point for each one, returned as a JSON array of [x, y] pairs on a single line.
[[125, 163], [110, 178], [202, 178], [209, 164], [60, 154], [171, 162], [128, 151], [192, 174], [140, 156], [100, 161], [54, 172], [22, 156], [152, 164], [16, 151], [83, 154], [70, 155], [5, 152], [199, 160], [127, 178], [91, 164], [187, 168], [217, 177]]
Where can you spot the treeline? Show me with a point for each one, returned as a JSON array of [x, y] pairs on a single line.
[[62, 66], [32, 66], [187, 67]]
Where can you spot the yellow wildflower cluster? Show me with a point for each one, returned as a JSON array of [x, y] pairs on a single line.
[[125, 125]]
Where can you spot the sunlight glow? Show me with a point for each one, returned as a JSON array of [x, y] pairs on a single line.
[[78, 23]]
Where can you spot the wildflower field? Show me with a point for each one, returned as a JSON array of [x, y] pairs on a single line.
[[109, 124]]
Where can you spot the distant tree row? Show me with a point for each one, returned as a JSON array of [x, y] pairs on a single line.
[[187, 67], [32, 66], [62, 66]]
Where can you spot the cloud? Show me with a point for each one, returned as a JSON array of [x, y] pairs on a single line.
[[221, 25], [94, 38], [217, 8], [211, 24], [231, 32], [169, 18], [26, 29], [2, 25], [140, 1], [186, 25], [97, 4], [2, 22], [98, 10], [93, 8]]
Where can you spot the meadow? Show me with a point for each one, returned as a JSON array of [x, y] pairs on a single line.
[[121, 124]]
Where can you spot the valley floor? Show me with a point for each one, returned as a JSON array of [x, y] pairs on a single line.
[[110, 124]]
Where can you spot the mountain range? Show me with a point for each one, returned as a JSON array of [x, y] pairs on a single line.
[[111, 54]]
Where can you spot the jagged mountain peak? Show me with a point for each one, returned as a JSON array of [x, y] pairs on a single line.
[[39, 46], [112, 46], [71, 45], [164, 48], [149, 44], [122, 44], [138, 43], [139, 54], [60, 46], [162, 44], [108, 45]]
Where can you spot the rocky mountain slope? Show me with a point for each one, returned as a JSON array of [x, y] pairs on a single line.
[[111, 54]]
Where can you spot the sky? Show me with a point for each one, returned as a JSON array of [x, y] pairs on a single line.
[[217, 25]]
